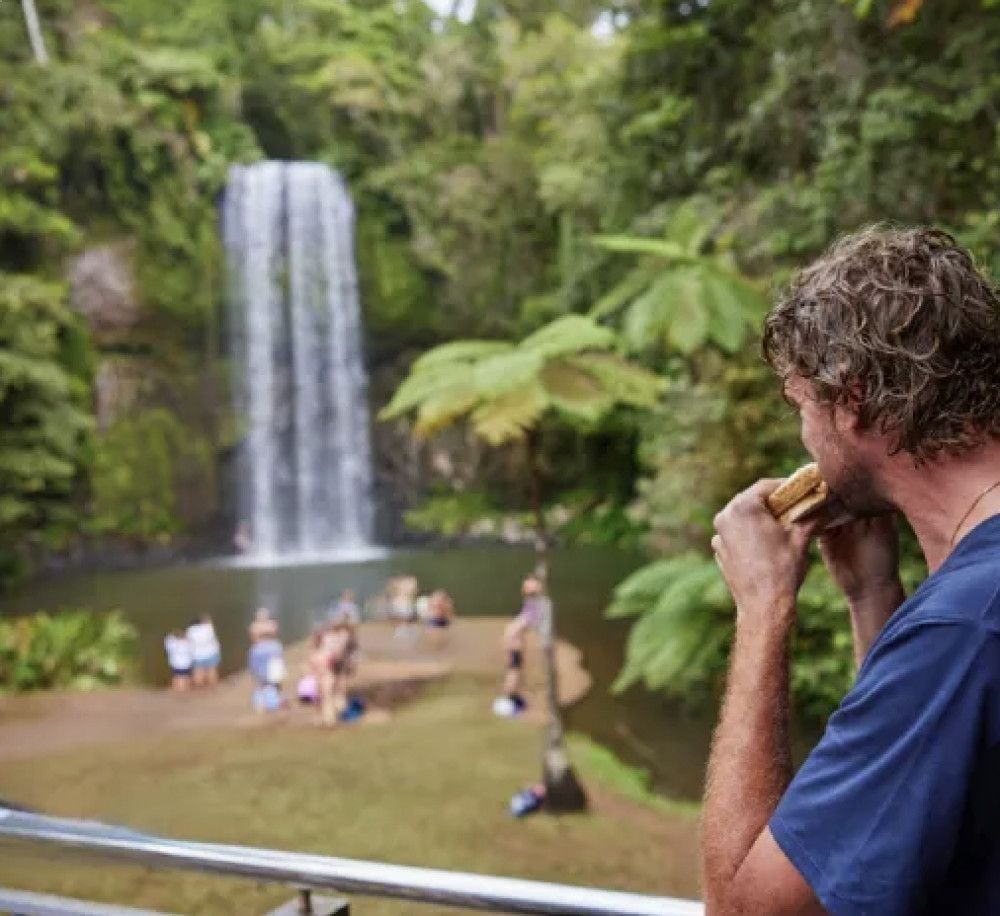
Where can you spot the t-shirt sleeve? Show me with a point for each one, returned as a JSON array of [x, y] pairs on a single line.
[[872, 817]]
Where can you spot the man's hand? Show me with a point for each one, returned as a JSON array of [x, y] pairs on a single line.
[[863, 556], [763, 564], [863, 559]]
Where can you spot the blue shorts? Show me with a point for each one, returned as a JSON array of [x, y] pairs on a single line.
[[211, 662]]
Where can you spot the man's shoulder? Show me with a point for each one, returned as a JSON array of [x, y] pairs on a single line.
[[966, 592]]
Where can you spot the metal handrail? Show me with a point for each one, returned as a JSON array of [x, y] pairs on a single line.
[[376, 879]]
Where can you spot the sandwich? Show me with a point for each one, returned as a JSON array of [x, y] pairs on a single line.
[[803, 496]]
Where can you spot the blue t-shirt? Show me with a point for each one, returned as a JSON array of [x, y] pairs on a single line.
[[897, 811]]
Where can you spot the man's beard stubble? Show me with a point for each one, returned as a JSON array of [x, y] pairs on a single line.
[[858, 491]]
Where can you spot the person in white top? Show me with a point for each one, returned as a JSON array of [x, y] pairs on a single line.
[[206, 652], [180, 659]]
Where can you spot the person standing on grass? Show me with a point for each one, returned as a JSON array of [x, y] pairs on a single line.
[[180, 659], [889, 349], [206, 651], [512, 701]]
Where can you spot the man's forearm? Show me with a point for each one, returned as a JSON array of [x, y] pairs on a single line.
[[871, 612], [749, 767]]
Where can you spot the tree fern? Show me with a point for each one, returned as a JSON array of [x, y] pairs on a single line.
[[679, 298], [568, 366]]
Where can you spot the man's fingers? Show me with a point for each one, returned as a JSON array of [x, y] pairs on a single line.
[[765, 487], [802, 532]]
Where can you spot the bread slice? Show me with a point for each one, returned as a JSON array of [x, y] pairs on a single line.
[[802, 495]]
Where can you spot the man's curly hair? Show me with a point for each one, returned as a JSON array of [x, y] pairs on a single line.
[[900, 326]]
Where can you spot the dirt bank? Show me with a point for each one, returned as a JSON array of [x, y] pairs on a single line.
[[391, 672]]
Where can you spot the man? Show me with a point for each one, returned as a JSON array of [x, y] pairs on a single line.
[[889, 348]]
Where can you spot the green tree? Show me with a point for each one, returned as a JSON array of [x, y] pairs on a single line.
[[568, 368], [44, 376]]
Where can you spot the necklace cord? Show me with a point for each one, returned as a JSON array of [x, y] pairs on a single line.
[[968, 511]]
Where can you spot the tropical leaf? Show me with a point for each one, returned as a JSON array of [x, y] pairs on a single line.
[[498, 374], [673, 637], [461, 351], [727, 324], [629, 244], [569, 383], [688, 228], [640, 591], [430, 383], [648, 320], [624, 381], [442, 410], [569, 334], [574, 390], [627, 290], [510, 417], [753, 305], [681, 298], [688, 327], [505, 389]]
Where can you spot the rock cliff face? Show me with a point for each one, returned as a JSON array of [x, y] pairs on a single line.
[[102, 289]]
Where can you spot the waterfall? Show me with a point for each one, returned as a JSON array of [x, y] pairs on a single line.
[[300, 389]]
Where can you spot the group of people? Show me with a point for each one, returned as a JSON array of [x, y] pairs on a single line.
[[332, 662], [329, 665], [404, 604], [194, 655]]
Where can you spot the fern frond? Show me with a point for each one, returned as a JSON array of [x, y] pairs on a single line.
[[460, 351], [569, 334], [509, 417]]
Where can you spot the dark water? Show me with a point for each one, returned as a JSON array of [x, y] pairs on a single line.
[[641, 728]]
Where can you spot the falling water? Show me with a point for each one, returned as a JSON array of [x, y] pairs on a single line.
[[301, 390]]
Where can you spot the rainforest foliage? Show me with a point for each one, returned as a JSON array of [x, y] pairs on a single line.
[[659, 167]]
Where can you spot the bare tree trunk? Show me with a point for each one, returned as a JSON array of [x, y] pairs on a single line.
[[563, 791], [35, 32]]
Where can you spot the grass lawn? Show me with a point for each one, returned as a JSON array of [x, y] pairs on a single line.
[[428, 788]]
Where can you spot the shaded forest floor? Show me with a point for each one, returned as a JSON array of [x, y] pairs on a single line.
[[428, 788]]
